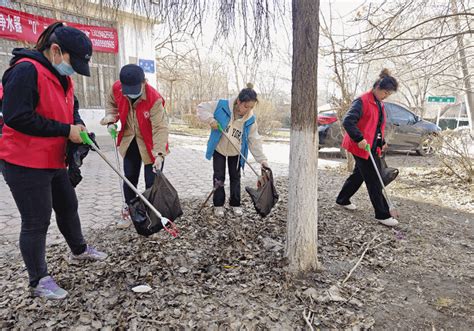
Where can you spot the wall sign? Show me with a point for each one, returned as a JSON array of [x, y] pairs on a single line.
[[19, 25], [148, 66]]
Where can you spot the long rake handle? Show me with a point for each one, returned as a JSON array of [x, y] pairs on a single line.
[[118, 167], [236, 148], [367, 148], [207, 199], [217, 185], [89, 142]]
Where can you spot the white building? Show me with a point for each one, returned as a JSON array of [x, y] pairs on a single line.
[[133, 33]]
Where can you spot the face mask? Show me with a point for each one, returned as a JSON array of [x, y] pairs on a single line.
[[64, 68], [134, 96]]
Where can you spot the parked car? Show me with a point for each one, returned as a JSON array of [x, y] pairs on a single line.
[[404, 130]]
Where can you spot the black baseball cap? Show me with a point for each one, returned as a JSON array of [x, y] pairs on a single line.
[[131, 77], [77, 45]]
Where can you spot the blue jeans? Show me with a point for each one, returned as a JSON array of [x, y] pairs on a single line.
[[37, 192]]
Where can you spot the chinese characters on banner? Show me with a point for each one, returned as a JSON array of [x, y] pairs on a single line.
[[19, 25]]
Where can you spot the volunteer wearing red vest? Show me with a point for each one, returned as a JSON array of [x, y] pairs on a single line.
[[38, 107], [365, 124], [143, 137], [1, 114]]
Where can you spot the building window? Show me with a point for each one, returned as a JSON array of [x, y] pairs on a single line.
[[92, 91], [79, 90], [110, 76]]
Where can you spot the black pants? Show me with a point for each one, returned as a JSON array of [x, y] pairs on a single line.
[[364, 172], [132, 163], [218, 162], [36, 193]]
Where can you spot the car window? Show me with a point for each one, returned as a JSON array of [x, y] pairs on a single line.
[[327, 113], [399, 115]]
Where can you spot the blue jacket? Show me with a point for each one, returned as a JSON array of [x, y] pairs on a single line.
[[223, 115]]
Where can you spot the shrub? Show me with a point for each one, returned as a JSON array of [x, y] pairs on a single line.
[[453, 150], [266, 117], [193, 121]]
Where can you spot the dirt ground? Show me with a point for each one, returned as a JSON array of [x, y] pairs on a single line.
[[231, 273]]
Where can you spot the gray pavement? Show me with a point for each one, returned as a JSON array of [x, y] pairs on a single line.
[[99, 193]]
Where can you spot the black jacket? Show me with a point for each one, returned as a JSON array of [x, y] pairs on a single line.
[[20, 85], [352, 117]]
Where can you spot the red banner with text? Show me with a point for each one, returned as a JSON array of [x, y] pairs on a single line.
[[19, 25]]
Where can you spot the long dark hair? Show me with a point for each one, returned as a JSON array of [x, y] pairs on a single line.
[[386, 81], [248, 94], [48, 37]]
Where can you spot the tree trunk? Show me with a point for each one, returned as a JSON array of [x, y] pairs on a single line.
[[464, 69], [302, 228], [350, 162]]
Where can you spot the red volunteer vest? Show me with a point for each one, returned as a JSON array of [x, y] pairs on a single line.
[[41, 152], [142, 111], [367, 125]]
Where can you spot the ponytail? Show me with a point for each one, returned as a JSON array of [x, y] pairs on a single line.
[[47, 37], [386, 81], [248, 94]]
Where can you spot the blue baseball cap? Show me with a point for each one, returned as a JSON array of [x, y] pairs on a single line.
[[131, 77], [77, 45]]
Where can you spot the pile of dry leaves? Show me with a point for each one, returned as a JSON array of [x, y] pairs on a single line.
[[231, 274]]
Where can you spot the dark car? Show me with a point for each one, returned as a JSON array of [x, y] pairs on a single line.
[[404, 130]]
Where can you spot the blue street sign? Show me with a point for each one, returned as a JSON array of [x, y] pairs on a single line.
[[148, 66]]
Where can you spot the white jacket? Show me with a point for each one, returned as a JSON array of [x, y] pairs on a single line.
[[205, 112]]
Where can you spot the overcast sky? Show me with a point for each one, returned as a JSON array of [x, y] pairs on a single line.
[[281, 42]]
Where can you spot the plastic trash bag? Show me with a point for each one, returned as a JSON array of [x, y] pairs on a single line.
[[163, 196], [388, 173], [265, 196], [74, 156]]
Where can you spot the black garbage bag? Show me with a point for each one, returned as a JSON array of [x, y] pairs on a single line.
[[388, 173], [75, 154], [265, 196], [163, 196]]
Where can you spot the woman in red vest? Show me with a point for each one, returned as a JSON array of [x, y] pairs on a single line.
[[365, 124], [143, 137], [38, 107]]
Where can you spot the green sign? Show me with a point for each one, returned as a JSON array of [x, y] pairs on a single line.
[[442, 99]]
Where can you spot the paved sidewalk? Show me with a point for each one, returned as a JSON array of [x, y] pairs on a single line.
[[99, 193]]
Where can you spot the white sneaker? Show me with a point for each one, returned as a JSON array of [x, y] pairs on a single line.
[[388, 221], [350, 206], [238, 211], [90, 254], [124, 221], [47, 288], [219, 211]]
